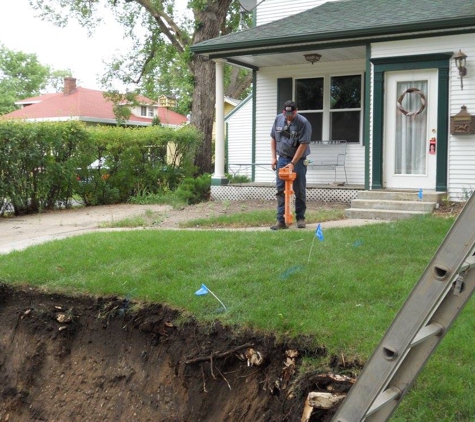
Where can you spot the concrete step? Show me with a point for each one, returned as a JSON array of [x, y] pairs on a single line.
[[375, 214], [427, 196], [378, 204]]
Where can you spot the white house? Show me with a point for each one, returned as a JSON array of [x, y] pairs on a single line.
[[386, 81]]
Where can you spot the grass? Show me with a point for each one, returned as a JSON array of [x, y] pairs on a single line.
[[242, 219], [148, 219], [167, 198], [260, 218], [342, 293]]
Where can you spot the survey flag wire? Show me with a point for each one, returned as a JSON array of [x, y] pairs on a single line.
[[204, 290]]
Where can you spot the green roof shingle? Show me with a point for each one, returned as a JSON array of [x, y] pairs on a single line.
[[347, 19]]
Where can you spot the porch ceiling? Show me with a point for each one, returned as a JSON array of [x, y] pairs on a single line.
[[297, 57]]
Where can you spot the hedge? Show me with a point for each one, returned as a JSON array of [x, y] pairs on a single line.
[[45, 165]]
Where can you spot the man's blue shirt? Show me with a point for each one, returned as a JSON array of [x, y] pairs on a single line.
[[289, 137]]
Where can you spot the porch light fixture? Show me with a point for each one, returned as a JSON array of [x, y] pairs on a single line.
[[460, 62], [312, 57]]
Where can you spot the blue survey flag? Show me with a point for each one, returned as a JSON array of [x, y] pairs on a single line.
[[202, 291], [420, 193], [319, 233]]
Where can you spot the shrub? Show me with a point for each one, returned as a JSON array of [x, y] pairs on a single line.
[[238, 178], [39, 163], [45, 165], [195, 190]]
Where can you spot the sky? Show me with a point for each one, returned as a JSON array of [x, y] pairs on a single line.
[[62, 48]]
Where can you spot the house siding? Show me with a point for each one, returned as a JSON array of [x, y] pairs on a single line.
[[266, 113], [239, 130], [461, 149], [272, 10]]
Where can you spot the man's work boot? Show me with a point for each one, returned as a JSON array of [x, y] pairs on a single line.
[[301, 224], [280, 225]]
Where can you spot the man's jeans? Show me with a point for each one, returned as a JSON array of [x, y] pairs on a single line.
[[299, 186]]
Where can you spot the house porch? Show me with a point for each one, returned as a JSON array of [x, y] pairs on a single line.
[[266, 191]]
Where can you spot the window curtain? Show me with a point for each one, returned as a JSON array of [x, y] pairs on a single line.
[[411, 131]]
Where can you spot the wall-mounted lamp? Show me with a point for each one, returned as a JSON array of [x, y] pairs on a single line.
[[312, 57], [460, 63]]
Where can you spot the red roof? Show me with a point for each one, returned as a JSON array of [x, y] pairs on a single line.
[[88, 105]]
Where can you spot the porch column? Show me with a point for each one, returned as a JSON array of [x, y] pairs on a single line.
[[219, 177]]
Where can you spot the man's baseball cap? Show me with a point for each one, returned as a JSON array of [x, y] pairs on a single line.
[[289, 108]]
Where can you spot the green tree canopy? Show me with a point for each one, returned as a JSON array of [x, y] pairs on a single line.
[[23, 76], [160, 61]]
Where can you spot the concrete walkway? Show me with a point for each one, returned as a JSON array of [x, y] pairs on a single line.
[[18, 233]]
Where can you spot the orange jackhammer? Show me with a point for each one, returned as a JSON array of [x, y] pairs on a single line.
[[289, 176]]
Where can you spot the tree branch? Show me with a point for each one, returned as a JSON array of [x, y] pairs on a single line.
[[167, 25], [147, 61]]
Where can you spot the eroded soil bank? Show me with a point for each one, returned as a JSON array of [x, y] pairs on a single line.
[[105, 359]]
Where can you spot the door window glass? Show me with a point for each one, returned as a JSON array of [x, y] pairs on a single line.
[[411, 128]]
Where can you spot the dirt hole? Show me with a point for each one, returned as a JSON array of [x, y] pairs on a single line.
[[99, 359]]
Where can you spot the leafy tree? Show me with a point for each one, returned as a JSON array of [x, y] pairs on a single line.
[[23, 76], [160, 61], [56, 80], [122, 104]]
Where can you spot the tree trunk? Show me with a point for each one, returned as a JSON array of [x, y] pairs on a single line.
[[203, 111], [208, 21], [238, 83]]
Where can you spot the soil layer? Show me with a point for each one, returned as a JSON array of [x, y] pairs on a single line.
[[106, 359]]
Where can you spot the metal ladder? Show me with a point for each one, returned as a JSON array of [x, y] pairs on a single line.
[[435, 302]]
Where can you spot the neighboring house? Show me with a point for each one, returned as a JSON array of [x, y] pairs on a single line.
[[229, 105], [90, 106], [167, 101], [238, 126], [386, 81]]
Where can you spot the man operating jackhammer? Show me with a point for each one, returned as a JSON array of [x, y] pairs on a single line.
[[290, 138]]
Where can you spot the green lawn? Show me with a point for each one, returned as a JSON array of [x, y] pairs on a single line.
[[342, 292]]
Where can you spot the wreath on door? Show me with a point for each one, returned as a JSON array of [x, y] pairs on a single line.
[[410, 91]]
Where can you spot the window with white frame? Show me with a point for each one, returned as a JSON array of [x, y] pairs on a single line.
[[332, 104], [150, 112], [143, 111]]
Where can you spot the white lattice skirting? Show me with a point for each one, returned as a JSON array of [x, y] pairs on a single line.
[[244, 193]]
